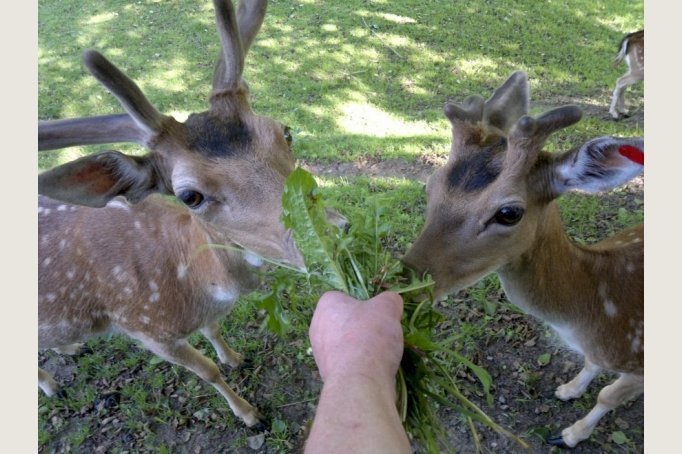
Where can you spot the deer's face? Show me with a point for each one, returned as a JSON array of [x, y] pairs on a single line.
[[230, 173], [227, 165], [486, 205], [478, 218]]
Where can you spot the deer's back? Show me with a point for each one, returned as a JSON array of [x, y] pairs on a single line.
[[132, 268]]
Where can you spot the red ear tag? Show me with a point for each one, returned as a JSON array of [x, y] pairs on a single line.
[[632, 153]]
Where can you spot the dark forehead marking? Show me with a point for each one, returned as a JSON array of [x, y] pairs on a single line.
[[477, 170], [215, 136]]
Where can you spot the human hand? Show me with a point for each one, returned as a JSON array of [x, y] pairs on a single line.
[[357, 337]]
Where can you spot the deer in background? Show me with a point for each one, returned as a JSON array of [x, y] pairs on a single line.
[[492, 209], [116, 256], [631, 49]]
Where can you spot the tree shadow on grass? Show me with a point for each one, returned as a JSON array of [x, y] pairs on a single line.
[[312, 60]]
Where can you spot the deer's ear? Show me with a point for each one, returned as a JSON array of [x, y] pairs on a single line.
[[94, 180], [599, 165]]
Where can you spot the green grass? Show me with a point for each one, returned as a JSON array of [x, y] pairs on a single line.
[[354, 80], [351, 78]]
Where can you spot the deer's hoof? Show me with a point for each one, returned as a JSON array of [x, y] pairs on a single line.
[[558, 440], [246, 364], [108, 400], [61, 394], [262, 425], [85, 350]]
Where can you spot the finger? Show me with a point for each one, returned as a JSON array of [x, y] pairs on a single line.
[[392, 301], [332, 297]]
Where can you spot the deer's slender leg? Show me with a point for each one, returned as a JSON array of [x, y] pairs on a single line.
[[182, 353], [618, 102], [626, 387], [576, 387], [47, 383], [226, 355]]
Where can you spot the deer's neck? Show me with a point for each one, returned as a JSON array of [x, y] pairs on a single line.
[[212, 257], [555, 278]]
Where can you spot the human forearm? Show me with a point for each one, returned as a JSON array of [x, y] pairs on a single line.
[[357, 413]]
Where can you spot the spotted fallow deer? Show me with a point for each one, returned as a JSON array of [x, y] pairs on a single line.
[[115, 255], [631, 49], [492, 209]]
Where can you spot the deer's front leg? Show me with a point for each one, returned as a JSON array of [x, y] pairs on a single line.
[[576, 387], [182, 353], [618, 102], [226, 355], [47, 383], [624, 388]]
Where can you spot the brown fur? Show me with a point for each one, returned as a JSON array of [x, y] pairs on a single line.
[[593, 296]]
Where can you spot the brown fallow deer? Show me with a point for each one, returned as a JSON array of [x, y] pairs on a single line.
[[631, 49], [115, 255], [492, 209]]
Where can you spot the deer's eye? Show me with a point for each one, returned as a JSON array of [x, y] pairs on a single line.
[[287, 135], [192, 199], [509, 215]]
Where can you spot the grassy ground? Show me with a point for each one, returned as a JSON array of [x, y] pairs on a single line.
[[362, 84]]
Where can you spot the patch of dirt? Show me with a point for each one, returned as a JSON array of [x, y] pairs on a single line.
[[523, 388], [419, 169]]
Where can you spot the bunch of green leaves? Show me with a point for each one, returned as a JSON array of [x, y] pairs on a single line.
[[353, 260]]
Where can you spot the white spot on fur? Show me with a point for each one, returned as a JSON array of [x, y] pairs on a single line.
[[637, 336], [629, 267], [46, 211], [154, 297], [222, 295], [47, 261], [610, 308], [137, 225], [128, 291], [153, 287], [62, 244], [51, 297], [252, 259], [144, 319], [71, 273], [118, 203], [182, 271], [61, 208], [119, 274], [40, 210]]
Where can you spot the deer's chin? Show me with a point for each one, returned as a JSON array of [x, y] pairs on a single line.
[[284, 251]]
